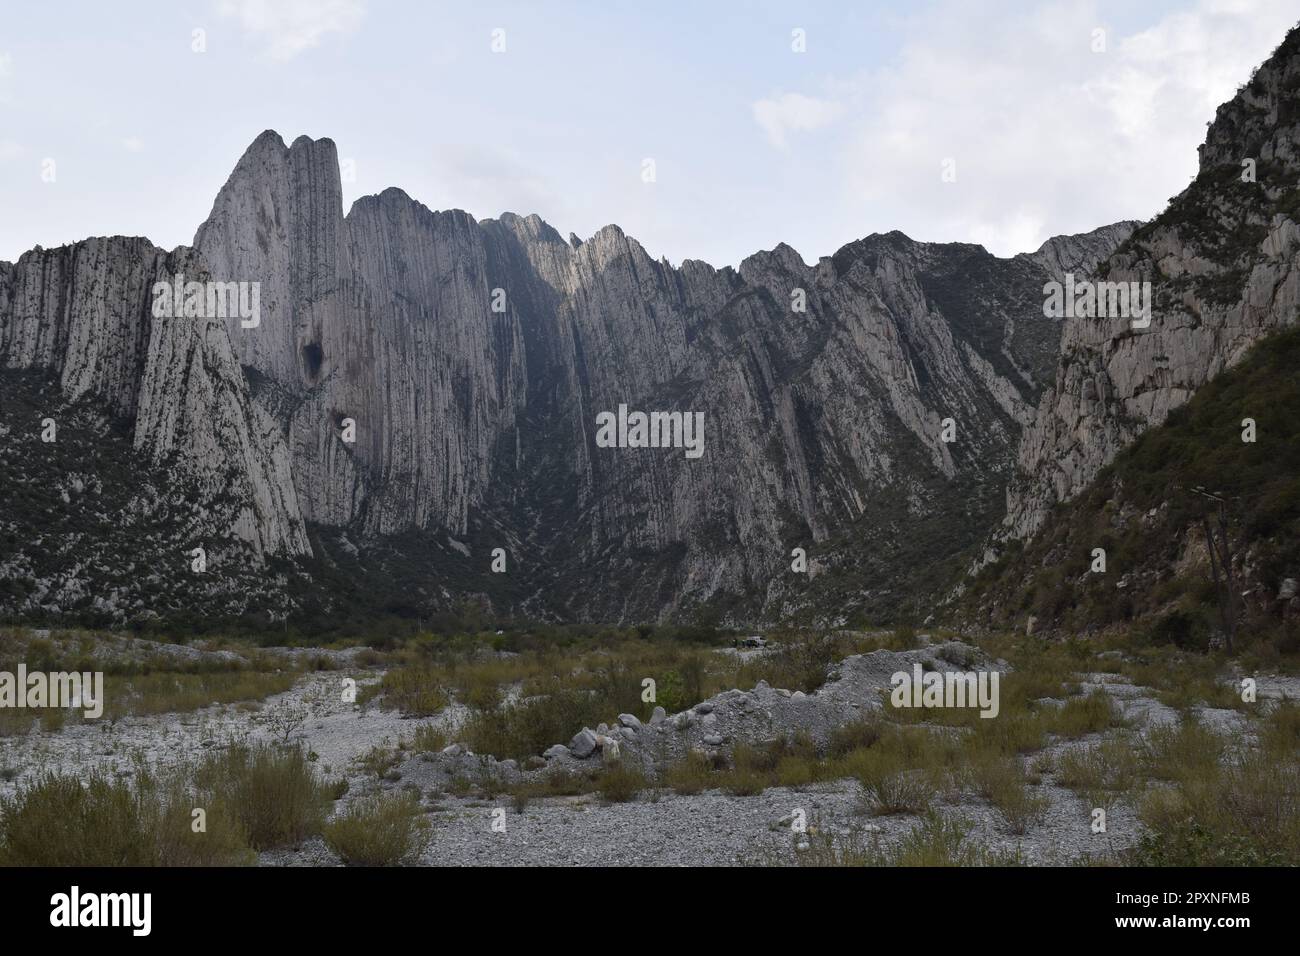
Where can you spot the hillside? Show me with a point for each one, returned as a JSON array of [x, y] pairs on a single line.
[[1143, 509]]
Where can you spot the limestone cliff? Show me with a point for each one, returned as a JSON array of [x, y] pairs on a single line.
[[1223, 261]]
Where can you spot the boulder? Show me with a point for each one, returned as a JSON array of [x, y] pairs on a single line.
[[630, 721], [658, 716], [583, 743]]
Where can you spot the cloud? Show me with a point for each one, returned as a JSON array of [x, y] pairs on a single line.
[[1047, 136], [288, 27], [792, 112], [487, 180], [132, 144], [6, 65]]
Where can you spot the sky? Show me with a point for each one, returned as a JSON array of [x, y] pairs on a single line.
[[810, 123]]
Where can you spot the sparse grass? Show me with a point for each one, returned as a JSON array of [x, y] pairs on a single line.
[[905, 792], [155, 684], [382, 829], [935, 841], [1243, 813], [1186, 752], [379, 760], [416, 691], [620, 781], [428, 739], [1087, 714], [1101, 773]]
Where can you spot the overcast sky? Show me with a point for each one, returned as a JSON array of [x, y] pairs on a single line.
[[753, 143]]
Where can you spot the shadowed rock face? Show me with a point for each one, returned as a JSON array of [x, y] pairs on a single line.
[[474, 358], [1224, 264]]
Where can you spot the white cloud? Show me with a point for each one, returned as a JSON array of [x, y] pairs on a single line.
[[1047, 136], [6, 65], [792, 112], [133, 144], [288, 27]]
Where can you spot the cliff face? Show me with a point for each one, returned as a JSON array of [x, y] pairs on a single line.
[[1223, 262], [474, 359], [421, 388], [83, 314]]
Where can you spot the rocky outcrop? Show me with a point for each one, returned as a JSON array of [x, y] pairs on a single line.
[[1080, 254], [1223, 263], [83, 314]]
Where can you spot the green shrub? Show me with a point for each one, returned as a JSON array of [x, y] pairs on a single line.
[[379, 830], [270, 788], [690, 775], [60, 821], [899, 793]]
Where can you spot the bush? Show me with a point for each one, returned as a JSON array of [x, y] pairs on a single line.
[[271, 789], [906, 792], [59, 821], [415, 691], [379, 830], [1000, 780]]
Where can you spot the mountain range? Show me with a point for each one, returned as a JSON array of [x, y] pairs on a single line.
[[408, 426]]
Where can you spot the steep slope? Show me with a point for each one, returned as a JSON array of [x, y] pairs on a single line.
[[419, 389], [480, 422], [1223, 263], [83, 313], [1147, 510], [130, 441]]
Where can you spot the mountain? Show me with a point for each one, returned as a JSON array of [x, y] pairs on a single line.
[[1223, 263], [1150, 510], [419, 388]]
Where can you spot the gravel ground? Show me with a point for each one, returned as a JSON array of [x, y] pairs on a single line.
[[660, 827]]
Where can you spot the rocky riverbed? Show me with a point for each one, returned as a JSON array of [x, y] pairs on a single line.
[[660, 827]]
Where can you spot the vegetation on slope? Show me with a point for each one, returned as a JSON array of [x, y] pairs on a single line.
[[1145, 512]]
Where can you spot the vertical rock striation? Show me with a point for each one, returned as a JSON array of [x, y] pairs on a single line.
[[481, 421], [83, 314]]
